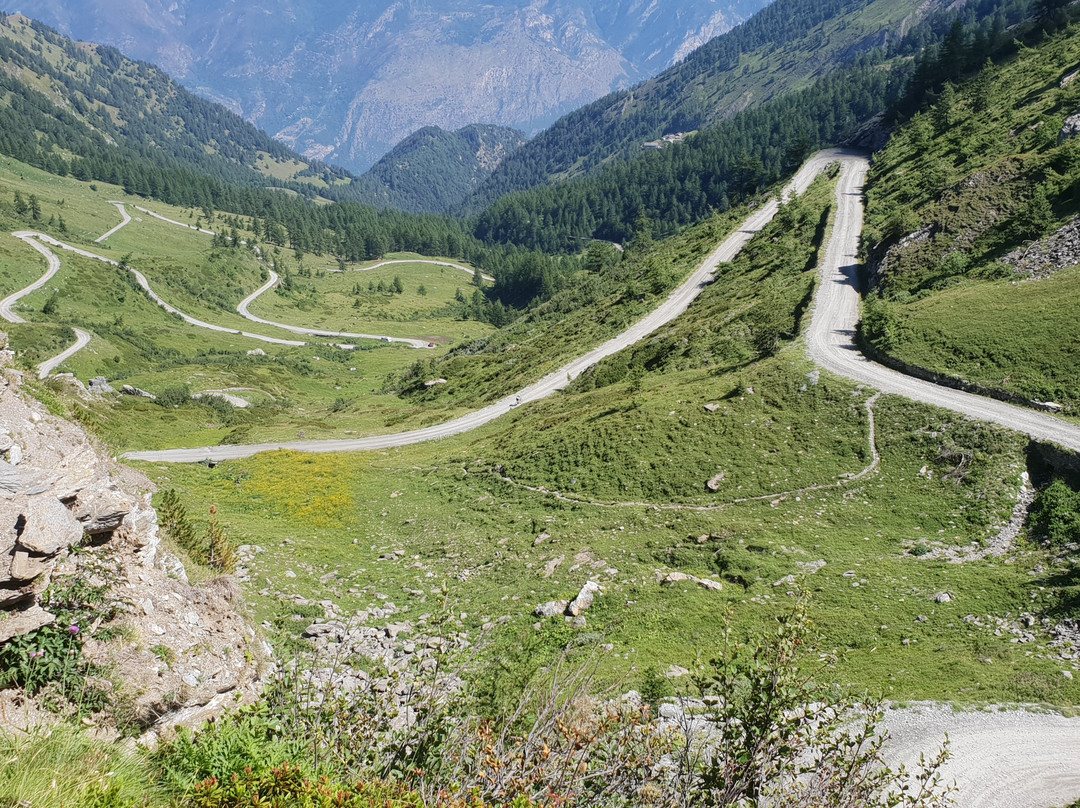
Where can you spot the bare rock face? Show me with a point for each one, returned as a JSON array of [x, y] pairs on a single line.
[[186, 651], [1070, 129]]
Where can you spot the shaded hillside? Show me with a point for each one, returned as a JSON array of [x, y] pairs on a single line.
[[433, 171]]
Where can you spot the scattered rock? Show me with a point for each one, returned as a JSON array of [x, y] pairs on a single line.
[[552, 565], [584, 598], [714, 484], [256, 352], [433, 382], [551, 608], [128, 390], [99, 386], [712, 407], [942, 597]]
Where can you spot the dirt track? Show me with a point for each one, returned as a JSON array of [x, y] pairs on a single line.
[[1010, 759]]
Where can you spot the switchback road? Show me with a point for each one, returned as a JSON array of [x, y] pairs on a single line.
[[830, 337], [676, 303], [82, 339]]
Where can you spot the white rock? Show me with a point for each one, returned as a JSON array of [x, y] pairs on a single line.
[[584, 599]]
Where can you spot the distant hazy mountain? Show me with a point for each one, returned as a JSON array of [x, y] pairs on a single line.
[[343, 81]]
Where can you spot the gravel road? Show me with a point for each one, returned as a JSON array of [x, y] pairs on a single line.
[[8, 303], [82, 339], [271, 282], [676, 303], [1000, 759], [830, 337]]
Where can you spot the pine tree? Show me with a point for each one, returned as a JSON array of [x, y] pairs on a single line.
[[219, 553]]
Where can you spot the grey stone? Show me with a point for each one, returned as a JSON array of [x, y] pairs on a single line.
[[551, 608], [942, 597], [128, 390], [50, 527], [101, 511], [18, 623], [100, 386], [1070, 129], [584, 598], [673, 578]]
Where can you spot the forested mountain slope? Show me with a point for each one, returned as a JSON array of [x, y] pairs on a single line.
[[784, 48], [91, 101], [343, 81], [972, 231], [433, 171]]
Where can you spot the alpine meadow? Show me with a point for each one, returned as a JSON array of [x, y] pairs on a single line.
[[716, 443]]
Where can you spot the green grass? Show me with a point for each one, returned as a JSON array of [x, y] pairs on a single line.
[[970, 174], [468, 541], [341, 301], [1022, 337], [471, 539], [61, 767]]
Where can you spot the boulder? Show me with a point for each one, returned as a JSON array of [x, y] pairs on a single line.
[[584, 598], [714, 484], [1070, 129], [551, 608], [100, 386], [101, 511], [19, 623], [49, 526], [128, 390], [673, 578]]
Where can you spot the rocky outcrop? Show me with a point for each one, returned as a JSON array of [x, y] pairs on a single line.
[[185, 652], [1070, 129], [1047, 255]]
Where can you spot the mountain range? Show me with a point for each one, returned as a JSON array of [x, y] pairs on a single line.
[[344, 82]]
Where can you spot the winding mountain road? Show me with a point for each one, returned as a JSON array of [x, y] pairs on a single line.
[[830, 337], [676, 303], [126, 221], [7, 305], [242, 309], [82, 339]]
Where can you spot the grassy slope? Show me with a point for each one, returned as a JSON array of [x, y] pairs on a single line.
[[471, 539], [967, 176], [134, 342]]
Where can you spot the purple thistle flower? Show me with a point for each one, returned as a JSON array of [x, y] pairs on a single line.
[[73, 629], [36, 654]]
